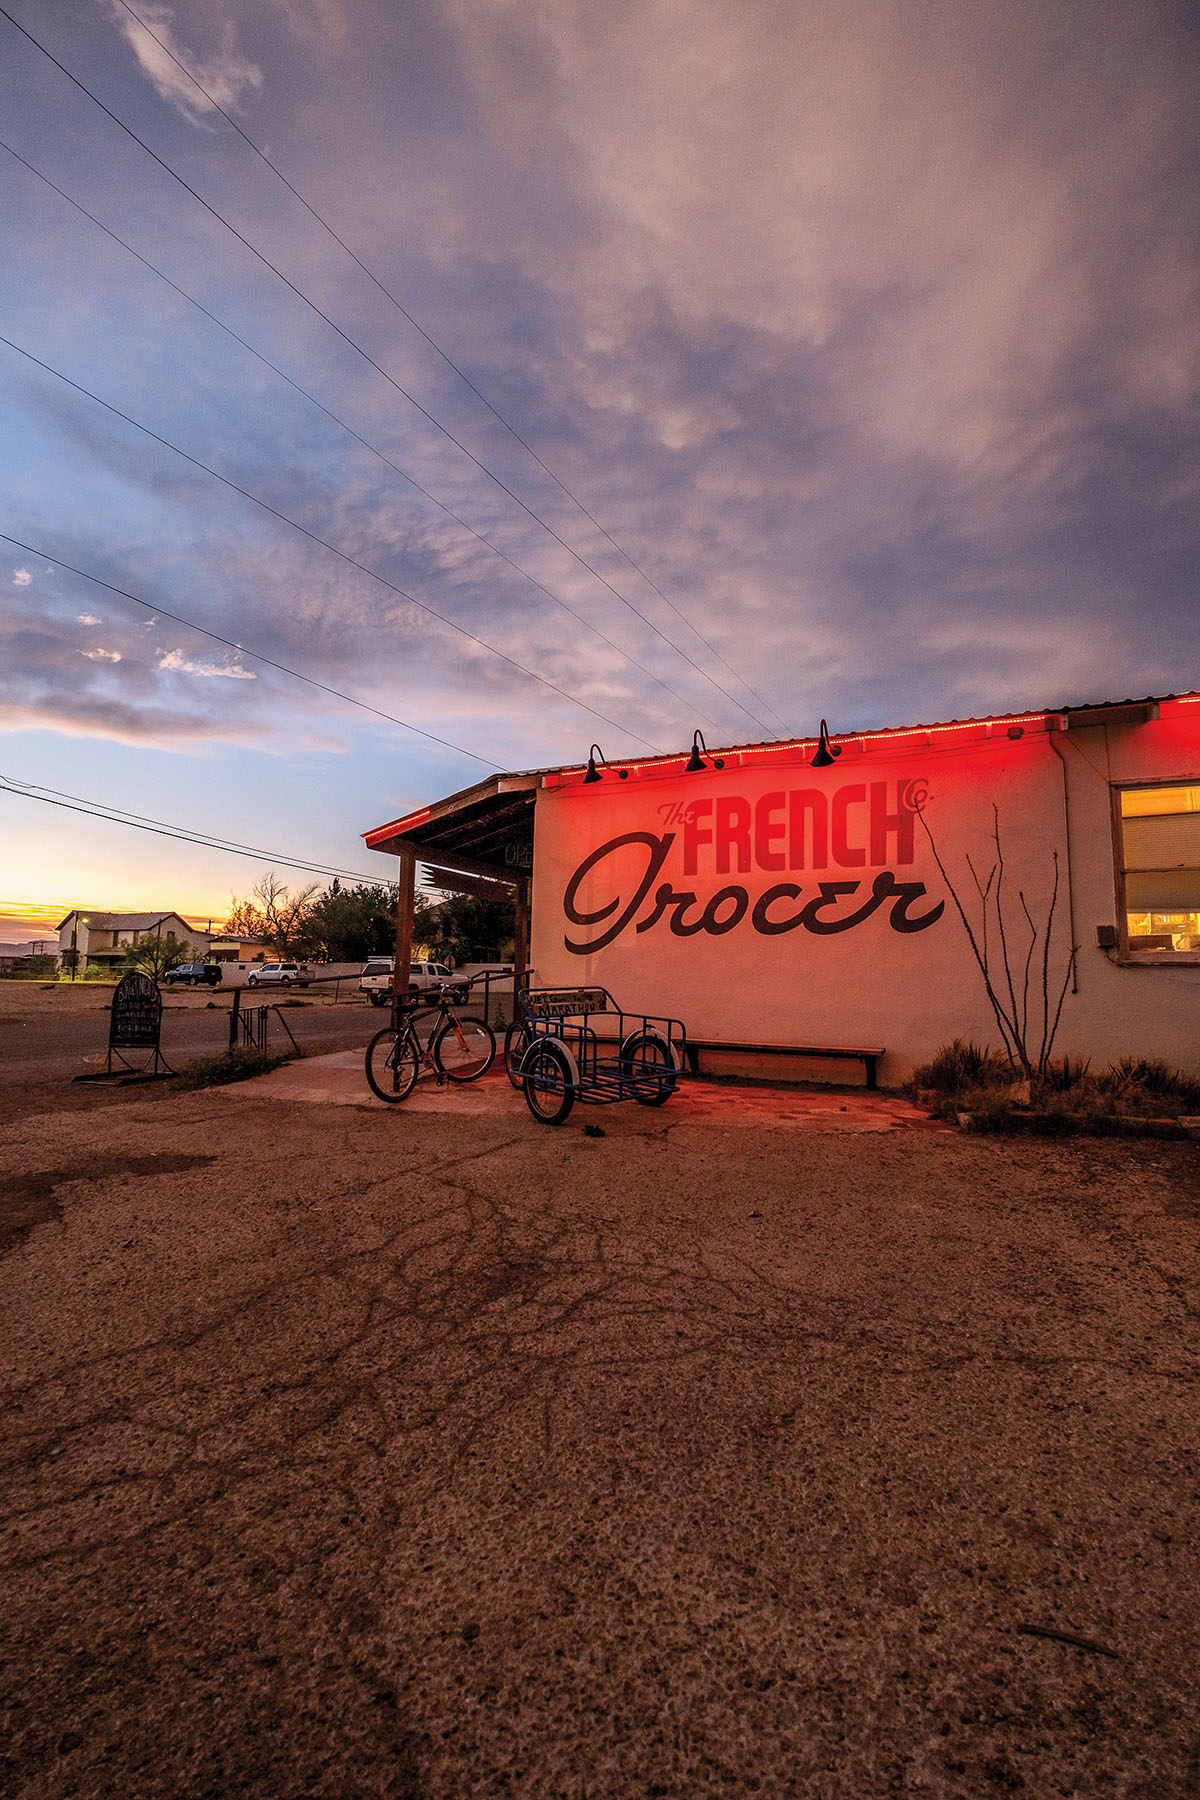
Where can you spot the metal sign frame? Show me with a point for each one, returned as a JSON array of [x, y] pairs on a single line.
[[134, 1023]]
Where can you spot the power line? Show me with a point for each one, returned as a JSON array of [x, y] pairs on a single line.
[[255, 655], [357, 436], [378, 367], [27, 790], [446, 358], [325, 543]]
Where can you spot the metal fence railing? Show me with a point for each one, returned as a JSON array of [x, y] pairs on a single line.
[[491, 993], [248, 1025]]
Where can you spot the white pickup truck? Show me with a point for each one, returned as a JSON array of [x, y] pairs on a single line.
[[278, 974], [376, 979]]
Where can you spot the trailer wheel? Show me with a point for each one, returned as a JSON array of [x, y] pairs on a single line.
[[546, 1078], [648, 1048]]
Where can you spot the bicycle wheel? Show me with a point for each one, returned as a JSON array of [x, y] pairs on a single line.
[[546, 1078], [516, 1043], [463, 1049], [392, 1064], [650, 1050]]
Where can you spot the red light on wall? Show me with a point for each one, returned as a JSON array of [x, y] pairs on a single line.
[[792, 748]]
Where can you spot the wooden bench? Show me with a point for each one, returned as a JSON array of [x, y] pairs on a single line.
[[869, 1058]]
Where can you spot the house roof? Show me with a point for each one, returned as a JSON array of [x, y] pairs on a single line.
[[487, 829], [114, 921]]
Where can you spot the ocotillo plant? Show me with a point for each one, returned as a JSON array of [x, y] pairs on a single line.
[[994, 947]]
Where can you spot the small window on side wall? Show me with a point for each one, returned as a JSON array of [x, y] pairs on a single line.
[[1159, 858]]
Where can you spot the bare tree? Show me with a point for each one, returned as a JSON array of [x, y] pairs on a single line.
[[245, 919], [1009, 964], [272, 912]]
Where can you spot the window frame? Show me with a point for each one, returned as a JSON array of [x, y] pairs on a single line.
[[1127, 953]]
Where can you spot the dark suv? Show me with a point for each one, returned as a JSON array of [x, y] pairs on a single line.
[[194, 975]]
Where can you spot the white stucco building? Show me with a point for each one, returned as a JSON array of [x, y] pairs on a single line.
[[764, 898]]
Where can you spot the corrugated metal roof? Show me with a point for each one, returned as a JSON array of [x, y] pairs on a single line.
[[475, 821], [483, 790]]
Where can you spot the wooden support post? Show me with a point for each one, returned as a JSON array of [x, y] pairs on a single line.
[[520, 937], [406, 888]]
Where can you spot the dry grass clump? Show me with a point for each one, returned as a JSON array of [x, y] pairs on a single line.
[[238, 1064], [982, 1085]]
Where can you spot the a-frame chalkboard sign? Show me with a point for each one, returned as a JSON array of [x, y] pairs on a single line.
[[135, 1023]]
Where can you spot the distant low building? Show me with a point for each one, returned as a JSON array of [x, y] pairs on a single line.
[[15, 958], [230, 947], [102, 939]]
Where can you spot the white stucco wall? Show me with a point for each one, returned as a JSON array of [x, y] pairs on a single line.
[[875, 982]]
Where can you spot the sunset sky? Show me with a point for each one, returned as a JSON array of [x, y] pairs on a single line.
[[866, 335]]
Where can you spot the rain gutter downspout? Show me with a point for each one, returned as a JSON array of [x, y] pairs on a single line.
[[1070, 884]]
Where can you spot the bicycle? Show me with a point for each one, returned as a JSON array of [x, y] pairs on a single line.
[[459, 1049]]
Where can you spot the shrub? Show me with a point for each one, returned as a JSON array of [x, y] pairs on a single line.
[[967, 1080], [958, 1066], [238, 1064], [1141, 1079], [1061, 1077]]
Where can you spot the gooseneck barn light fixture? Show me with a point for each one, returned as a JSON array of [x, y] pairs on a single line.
[[593, 773], [825, 752], [695, 761]]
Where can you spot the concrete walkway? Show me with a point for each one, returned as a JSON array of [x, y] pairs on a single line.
[[339, 1080]]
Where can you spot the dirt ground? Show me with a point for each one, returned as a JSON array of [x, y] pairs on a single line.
[[752, 1447]]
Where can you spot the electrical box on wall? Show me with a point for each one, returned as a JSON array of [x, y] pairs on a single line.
[[1106, 937]]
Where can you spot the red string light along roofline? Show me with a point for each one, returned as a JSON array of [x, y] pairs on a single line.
[[571, 775]]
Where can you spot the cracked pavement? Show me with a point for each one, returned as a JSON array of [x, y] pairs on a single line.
[[752, 1447]]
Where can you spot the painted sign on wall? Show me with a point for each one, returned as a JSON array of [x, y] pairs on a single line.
[[781, 903], [857, 826]]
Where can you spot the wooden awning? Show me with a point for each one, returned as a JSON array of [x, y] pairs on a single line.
[[486, 831]]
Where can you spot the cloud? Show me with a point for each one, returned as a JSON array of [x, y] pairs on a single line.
[[21, 578], [87, 619], [867, 329], [175, 662], [225, 74], [114, 690]]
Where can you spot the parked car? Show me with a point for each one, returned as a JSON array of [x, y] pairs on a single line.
[[278, 974], [193, 975], [376, 979]]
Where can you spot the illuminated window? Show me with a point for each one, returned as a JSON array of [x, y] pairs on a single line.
[[1160, 868]]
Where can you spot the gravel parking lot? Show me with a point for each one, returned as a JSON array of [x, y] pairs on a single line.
[[754, 1447]]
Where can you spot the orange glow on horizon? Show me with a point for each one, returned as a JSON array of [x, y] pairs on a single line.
[[21, 919]]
